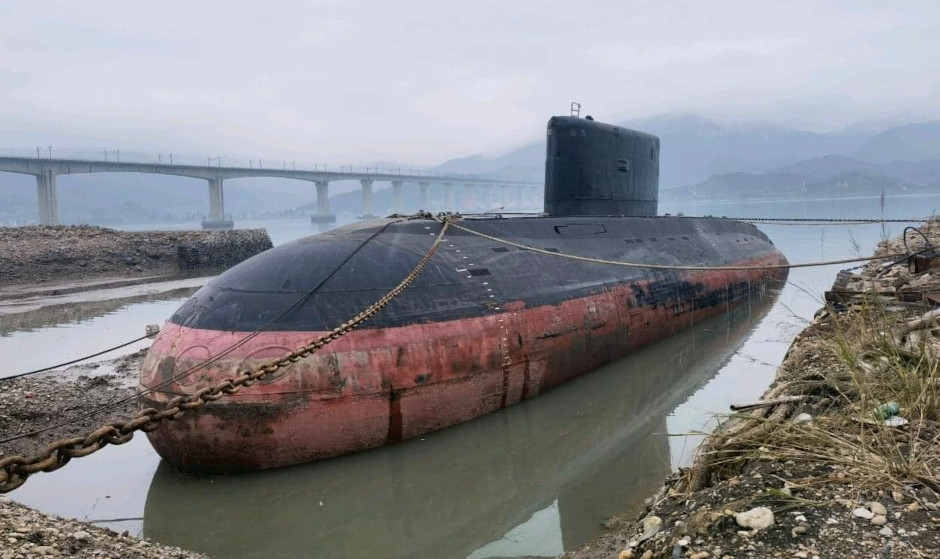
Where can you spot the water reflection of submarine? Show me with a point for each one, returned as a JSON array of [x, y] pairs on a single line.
[[596, 446]]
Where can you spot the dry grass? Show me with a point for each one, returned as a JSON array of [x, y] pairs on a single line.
[[848, 363]]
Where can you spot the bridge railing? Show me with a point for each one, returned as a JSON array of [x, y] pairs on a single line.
[[170, 158]]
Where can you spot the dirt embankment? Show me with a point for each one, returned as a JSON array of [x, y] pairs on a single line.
[[31, 255], [841, 459]]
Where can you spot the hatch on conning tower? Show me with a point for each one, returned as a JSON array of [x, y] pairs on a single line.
[[592, 168]]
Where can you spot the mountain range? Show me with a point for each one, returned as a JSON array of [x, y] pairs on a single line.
[[700, 158], [694, 148]]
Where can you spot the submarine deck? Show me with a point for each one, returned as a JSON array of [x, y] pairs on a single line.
[[351, 267]]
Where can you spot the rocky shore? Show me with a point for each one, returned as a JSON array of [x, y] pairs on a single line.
[[31, 403], [39, 255], [46, 399], [26, 533], [840, 458]]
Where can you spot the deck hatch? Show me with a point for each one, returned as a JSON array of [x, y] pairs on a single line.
[[581, 229]]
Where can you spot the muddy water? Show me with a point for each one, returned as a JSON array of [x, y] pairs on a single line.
[[529, 481]]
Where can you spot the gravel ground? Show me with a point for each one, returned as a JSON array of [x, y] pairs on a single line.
[[43, 400], [26, 533], [31, 255], [819, 519]]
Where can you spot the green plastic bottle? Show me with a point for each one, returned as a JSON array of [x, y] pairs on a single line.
[[884, 411]]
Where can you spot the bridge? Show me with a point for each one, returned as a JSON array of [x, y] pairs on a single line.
[[47, 169]]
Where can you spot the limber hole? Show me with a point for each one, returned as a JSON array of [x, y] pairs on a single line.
[[479, 272]]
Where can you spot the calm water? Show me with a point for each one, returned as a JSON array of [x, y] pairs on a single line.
[[529, 481]]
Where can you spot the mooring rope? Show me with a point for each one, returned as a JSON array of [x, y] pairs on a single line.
[[15, 470], [826, 221], [73, 361], [769, 220], [202, 364], [673, 266]]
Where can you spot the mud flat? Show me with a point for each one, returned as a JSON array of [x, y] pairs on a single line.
[[840, 458], [65, 259]]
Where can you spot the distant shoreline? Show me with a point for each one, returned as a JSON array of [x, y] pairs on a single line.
[[767, 200], [34, 257]]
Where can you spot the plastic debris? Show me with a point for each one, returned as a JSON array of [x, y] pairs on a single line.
[[884, 411]]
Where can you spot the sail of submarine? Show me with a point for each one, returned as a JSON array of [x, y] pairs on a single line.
[[486, 325]]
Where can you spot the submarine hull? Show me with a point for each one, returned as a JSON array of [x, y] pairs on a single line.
[[611, 425], [484, 327]]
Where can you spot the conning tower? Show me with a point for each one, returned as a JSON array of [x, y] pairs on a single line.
[[598, 169]]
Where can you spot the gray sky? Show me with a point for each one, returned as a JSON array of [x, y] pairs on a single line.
[[422, 81]]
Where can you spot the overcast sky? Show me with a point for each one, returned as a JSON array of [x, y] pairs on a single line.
[[423, 81]]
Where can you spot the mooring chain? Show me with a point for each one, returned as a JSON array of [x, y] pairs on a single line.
[[14, 470]]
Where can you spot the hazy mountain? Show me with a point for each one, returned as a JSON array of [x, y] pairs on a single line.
[[790, 186], [351, 202], [820, 177], [750, 158], [693, 148], [911, 142], [828, 165], [918, 172], [526, 162]]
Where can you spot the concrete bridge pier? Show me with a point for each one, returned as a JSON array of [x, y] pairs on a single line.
[[518, 198], [217, 218], [323, 214], [396, 197], [48, 195], [425, 203], [468, 200], [367, 206], [448, 196]]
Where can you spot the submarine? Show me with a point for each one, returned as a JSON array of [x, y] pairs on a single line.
[[500, 314], [590, 449]]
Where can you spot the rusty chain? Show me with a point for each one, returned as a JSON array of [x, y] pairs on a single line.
[[14, 470]]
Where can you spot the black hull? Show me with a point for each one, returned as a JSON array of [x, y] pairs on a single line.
[[346, 270]]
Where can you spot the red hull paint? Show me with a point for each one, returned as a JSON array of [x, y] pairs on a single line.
[[376, 386]]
